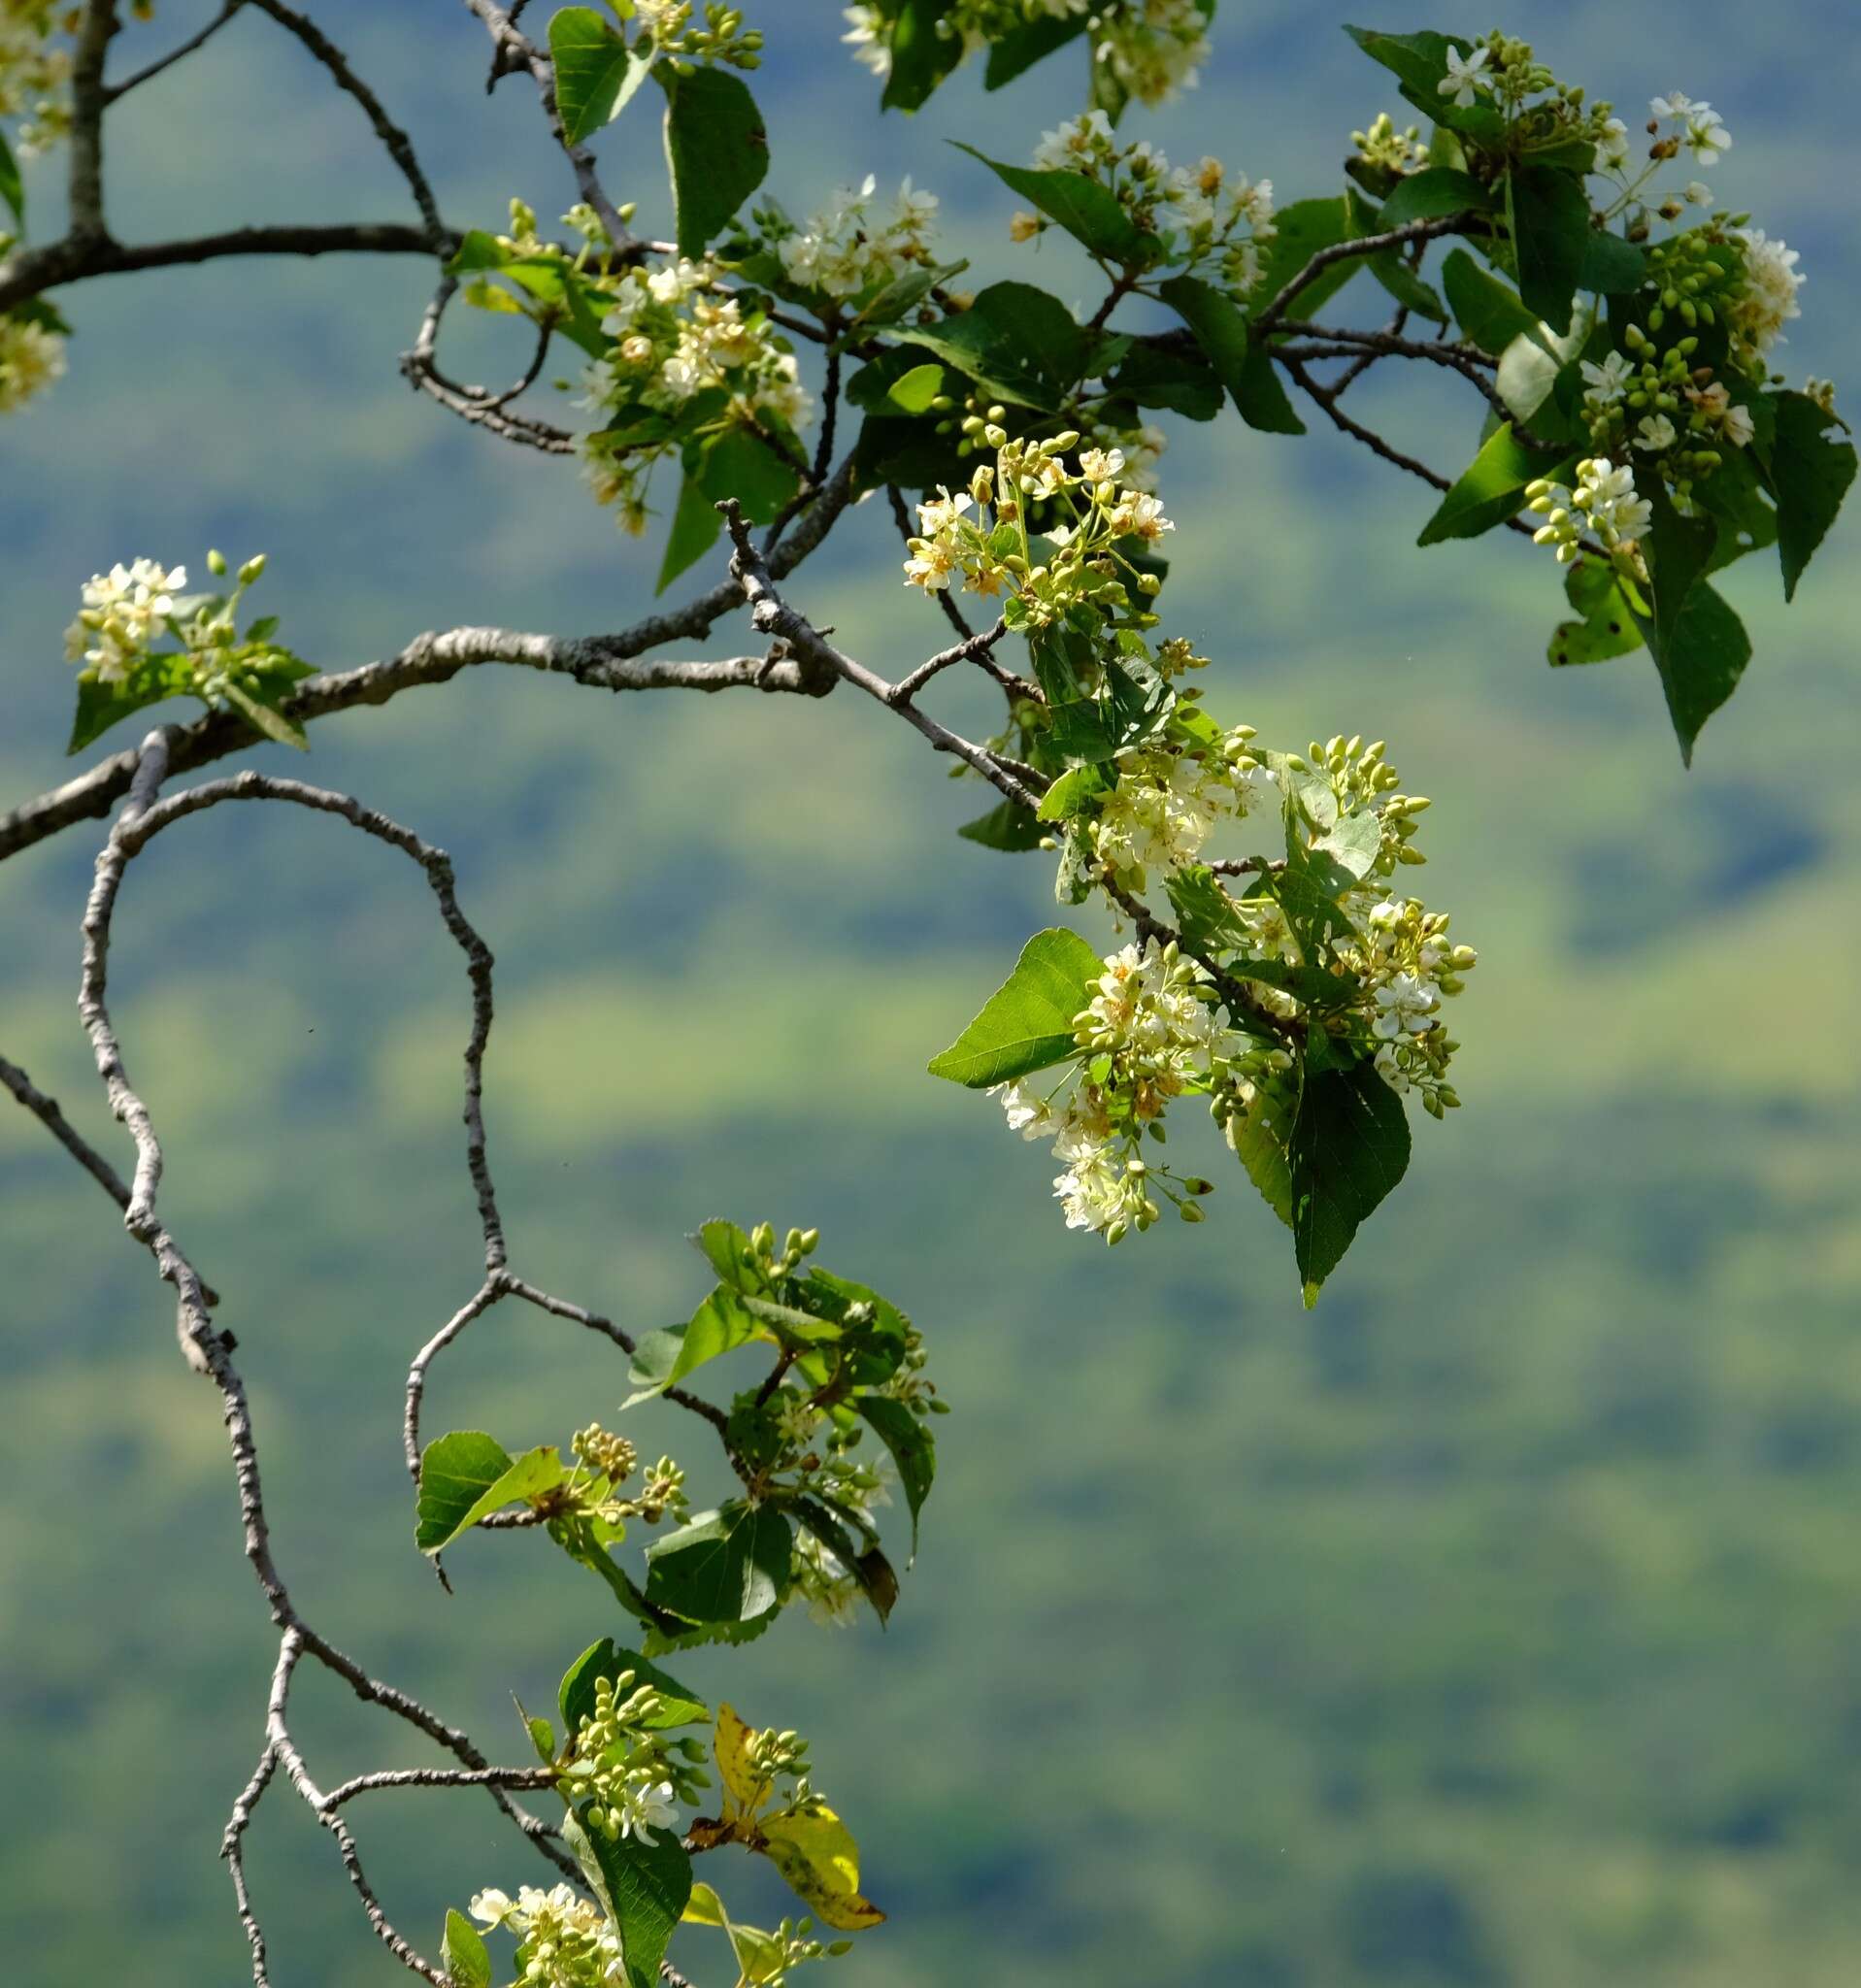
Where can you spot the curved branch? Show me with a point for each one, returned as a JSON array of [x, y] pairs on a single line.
[[1269, 319], [156, 68], [396, 143]]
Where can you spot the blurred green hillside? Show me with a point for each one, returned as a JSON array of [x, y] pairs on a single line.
[[1496, 1626]]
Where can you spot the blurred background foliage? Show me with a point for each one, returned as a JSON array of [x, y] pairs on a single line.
[[1498, 1626]]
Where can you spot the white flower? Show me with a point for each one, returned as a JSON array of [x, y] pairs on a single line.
[[1771, 281], [1654, 433], [1706, 138], [868, 39], [1407, 1005], [1026, 1113], [1678, 106], [1101, 466], [646, 1804], [1612, 147], [1737, 427], [1137, 515], [491, 1905], [1606, 382], [1466, 76], [943, 510], [1698, 195], [1078, 143]]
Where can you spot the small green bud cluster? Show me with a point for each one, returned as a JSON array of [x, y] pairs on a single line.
[[1604, 501], [1385, 148], [723, 38], [622, 1779], [613, 1456]]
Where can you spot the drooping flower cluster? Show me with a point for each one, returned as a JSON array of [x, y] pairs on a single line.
[[32, 357], [683, 344], [1145, 49], [35, 69], [849, 249], [1150, 1033], [855, 1491]]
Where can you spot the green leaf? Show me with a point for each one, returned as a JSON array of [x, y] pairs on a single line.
[[877, 1577], [1089, 211], [1027, 1023], [1354, 844], [1016, 342], [1260, 1139], [1610, 265], [1486, 310], [1349, 1146], [1810, 473], [914, 391], [1222, 329], [596, 73], [695, 524], [535, 1472], [1419, 61], [258, 704], [908, 1439], [463, 1953], [1491, 489], [607, 1659], [922, 56], [741, 465], [1532, 366], [716, 146], [1008, 827], [1152, 376], [1022, 47], [646, 1887], [664, 1358], [455, 1473], [1210, 922], [1548, 212], [1432, 195], [1070, 792], [13, 188], [1701, 657], [102, 704], [730, 1566], [1607, 627]]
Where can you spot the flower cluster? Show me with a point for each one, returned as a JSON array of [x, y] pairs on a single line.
[[1210, 219], [847, 249], [1150, 1033], [127, 611], [1143, 49], [684, 350], [1089, 514], [32, 356], [623, 1778], [1406, 965], [34, 70], [563, 1941], [1604, 503]]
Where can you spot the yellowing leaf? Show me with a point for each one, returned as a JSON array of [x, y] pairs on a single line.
[[818, 1858], [731, 1750], [705, 1907]]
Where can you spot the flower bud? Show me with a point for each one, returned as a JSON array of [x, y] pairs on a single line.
[[252, 569]]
